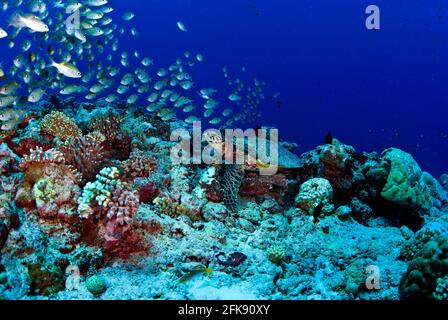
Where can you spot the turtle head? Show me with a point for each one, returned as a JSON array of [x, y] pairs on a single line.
[[213, 137]]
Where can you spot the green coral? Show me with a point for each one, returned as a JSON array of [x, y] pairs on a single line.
[[429, 264], [276, 253], [414, 245], [96, 285], [44, 192], [99, 191], [405, 184], [441, 292], [45, 280]]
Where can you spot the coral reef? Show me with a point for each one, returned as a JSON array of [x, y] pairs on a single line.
[[102, 212]]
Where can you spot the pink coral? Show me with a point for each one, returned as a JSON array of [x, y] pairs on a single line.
[[138, 165], [120, 212]]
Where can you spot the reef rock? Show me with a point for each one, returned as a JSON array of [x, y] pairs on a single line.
[[313, 193], [405, 184]]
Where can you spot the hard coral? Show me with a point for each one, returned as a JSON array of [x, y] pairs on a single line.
[[405, 184], [86, 154], [48, 184], [116, 143], [428, 264], [108, 125], [174, 208], [138, 165], [110, 199], [441, 292], [96, 285], [59, 125], [313, 193], [26, 144]]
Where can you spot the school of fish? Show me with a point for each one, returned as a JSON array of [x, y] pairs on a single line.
[[73, 48]]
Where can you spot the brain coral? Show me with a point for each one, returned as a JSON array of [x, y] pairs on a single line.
[[405, 184], [58, 124]]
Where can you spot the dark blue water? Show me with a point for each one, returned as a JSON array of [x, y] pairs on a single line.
[[371, 89]]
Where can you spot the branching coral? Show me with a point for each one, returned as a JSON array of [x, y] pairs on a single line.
[[174, 208], [109, 198], [230, 185], [58, 124], [116, 143], [108, 125], [86, 154], [98, 193], [276, 253], [138, 165]]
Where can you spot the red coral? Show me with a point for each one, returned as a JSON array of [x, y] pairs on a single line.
[[27, 144], [148, 193], [255, 185]]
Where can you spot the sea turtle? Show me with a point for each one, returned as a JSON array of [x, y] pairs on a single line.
[[286, 160], [234, 173]]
